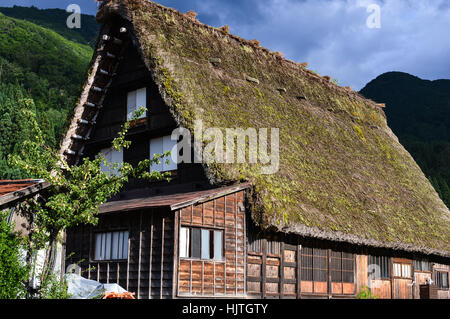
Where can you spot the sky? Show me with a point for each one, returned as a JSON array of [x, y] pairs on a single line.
[[353, 41]]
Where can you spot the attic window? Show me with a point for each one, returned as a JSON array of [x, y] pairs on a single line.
[[135, 100], [160, 146], [113, 156]]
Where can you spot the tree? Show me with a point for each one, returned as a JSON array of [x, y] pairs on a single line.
[[13, 272], [75, 192]]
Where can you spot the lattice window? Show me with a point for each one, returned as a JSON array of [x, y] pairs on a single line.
[[314, 264], [342, 267], [379, 267]]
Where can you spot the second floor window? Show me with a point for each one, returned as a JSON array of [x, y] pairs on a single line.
[[159, 146], [135, 100], [112, 156]]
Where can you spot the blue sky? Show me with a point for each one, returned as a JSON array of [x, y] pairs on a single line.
[[331, 35]]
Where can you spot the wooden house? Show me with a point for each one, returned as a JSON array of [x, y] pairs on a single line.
[[347, 208]]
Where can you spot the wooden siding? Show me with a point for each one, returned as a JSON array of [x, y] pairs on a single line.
[[148, 271], [274, 269], [215, 278]]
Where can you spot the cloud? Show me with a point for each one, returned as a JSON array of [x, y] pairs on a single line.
[[333, 37]]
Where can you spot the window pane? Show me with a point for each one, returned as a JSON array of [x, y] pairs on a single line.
[[131, 104], [205, 244], [120, 246], [125, 245], [218, 240], [156, 147], [108, 246], [169, 145], [196, 249], [184, 242], [115, 245], [98, 246], [445, 280], [141, 98]]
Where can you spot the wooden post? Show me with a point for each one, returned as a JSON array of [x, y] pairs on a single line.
[[299, 270], [263, 270]]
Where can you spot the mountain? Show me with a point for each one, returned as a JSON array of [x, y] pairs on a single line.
[[40, 76], [55, 19], [418, 111]]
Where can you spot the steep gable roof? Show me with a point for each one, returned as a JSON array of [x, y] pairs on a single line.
[[343, 174]]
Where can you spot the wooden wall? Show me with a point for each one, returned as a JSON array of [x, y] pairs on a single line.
[[148, 271], [275, 264], [215, 278], [132, 74]]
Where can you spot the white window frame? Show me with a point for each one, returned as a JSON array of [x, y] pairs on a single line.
[[159, 146], [136, 99], [185, 243]]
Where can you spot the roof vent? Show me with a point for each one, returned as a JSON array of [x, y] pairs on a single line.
[[250, 79]]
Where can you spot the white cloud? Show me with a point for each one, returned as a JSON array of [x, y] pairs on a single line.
[[332, 36]]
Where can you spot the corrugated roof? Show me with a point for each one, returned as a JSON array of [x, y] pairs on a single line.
[[175, 201], [13, 190], [10, 186]]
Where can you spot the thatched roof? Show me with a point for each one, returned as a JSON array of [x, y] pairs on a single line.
[[343, 174]]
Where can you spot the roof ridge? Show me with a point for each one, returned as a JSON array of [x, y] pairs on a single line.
[[274, 54]]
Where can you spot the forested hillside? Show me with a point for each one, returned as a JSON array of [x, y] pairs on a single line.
[[40, 72], [55, 19], [418, 111]]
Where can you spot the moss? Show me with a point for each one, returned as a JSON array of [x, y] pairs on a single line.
[[336, 173]]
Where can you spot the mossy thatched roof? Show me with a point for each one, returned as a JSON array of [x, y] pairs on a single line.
[[343, 174]]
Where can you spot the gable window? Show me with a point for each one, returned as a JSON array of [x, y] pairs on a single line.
[[111, 245], [160, 146], [422, 265], [135, 100], [401, 270], [199, 243], [442, 280], [341, 267], [379, 267], [113, 156]]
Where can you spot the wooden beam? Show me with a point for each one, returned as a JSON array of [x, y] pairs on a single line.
[[21, 193]]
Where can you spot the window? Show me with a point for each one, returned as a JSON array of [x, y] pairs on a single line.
[[341, 267], [113, 156], [201, 243], [442, 280], [402, 270], [111, 245], [135, 100], [422, 265], [159, 146], [314, 264], [378, 267]]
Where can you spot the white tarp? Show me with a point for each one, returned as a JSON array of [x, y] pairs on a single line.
[[82, 288]]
